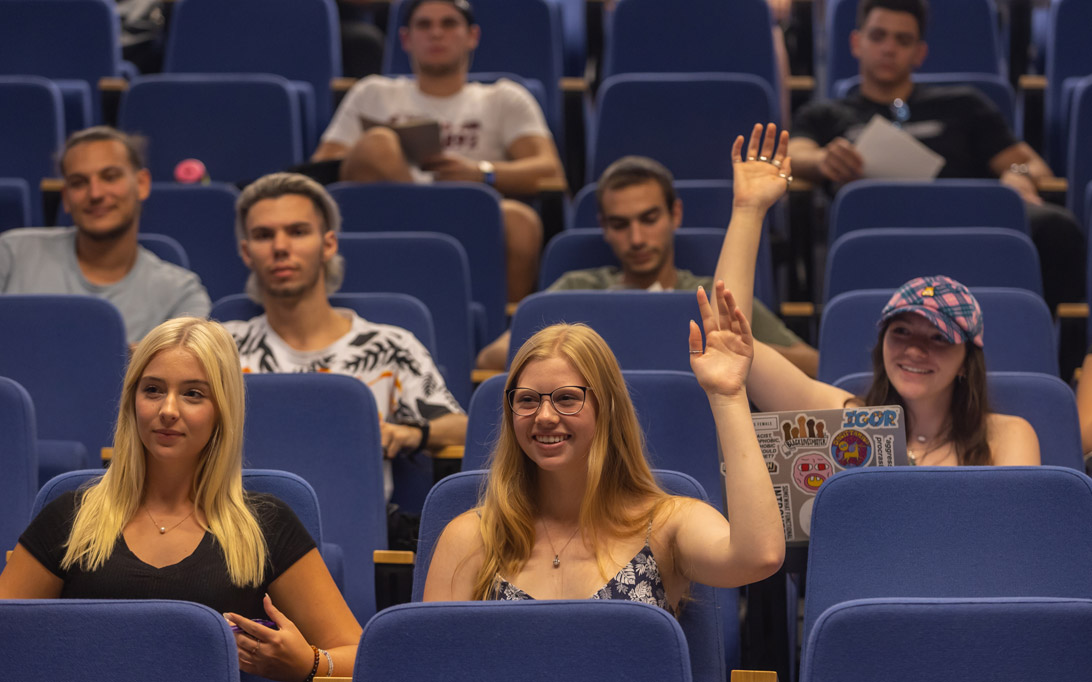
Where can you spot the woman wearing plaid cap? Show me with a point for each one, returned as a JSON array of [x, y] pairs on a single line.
[[928, 359]]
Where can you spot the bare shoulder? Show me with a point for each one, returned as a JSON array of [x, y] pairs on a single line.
[[1012, 440], [456, 560], [464, 528]]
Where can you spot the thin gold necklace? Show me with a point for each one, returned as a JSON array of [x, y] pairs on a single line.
[[163, 530], [557, 554]]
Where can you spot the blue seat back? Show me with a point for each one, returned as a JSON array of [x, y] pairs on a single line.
[[699, 617], [80, 639], [1068, 59], [936, 203], [165, 248], [890, 257], [1078, 165], [643, 36], [241, 126], [697, 118], [963, 36], [1015, 639], [18, 459], [287, 487], [31, 131], [949, 532], [1019, 331], [469, 212], [325, 428], [431, 267], [14, 203], [400, 310], [474, 641], [202, 219], [645, 329], [297, 40], [69, 353]]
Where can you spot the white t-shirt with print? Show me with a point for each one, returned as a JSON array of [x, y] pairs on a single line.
[[407, 386], [479, 122]]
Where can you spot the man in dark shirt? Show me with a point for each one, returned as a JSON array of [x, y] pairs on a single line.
[[957, 123]]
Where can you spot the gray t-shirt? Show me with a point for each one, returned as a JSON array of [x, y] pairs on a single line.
[[42, 260], [765, 326]]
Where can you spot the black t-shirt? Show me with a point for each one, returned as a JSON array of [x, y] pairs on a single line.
[[201, 577], [956, 122]]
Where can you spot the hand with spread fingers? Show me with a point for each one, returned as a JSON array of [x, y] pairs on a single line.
[[763, 176], [278, 654], [722, 367]]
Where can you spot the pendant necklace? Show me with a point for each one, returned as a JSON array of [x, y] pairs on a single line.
[[163, 530], [557, 554]]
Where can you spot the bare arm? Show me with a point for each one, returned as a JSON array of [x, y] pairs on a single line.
[[838, 161], [1013, 441], [24, 577], [314, 612], [1084, 403], [1021, 154], [330, 150], [449, 429], [495, 355], [455, 561], [753, 547], [532, 158]]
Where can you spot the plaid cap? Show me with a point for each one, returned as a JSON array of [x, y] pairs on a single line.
[[946, 303]]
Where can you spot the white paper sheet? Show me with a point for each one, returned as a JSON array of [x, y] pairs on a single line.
[[893, 153]]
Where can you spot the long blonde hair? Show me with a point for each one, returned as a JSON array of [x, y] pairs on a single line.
[[107, 505], [618, 473]]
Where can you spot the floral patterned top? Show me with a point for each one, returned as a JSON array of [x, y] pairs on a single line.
[[639, 580]]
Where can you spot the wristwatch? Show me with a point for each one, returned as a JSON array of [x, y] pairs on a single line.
[[489, 172]]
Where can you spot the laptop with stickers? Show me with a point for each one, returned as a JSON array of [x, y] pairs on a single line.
[[803, 448]]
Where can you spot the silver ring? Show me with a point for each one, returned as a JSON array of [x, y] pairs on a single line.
[[254, 651], [763, 158], [696, 352], [750, 158], [776, 162]]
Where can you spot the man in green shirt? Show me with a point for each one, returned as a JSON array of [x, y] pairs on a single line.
[[639, 213]]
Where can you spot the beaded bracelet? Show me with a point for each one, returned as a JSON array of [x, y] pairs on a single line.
[[314, 668], [329, 662]]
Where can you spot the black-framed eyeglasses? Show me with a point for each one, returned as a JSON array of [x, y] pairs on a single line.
[[566, 400], [901, 111]]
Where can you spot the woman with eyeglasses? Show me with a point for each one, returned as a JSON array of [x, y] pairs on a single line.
[[571, 509]]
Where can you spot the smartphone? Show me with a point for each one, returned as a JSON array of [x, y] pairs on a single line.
[[259, 621]]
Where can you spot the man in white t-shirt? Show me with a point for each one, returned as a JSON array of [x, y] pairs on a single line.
[[494, 134], [287, 227]]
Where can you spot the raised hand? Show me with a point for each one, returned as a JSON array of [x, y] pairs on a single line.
[[764, 175], [722, 367]]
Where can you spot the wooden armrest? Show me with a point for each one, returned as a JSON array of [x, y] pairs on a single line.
[[1072, 310], [341, 84], [551, 185], [106, 454], [797, 309], [51, 185], [1032, 82], [113, 85], [510, 308], [392, 556], [477, 376], [573, 84], [449, 452], [754, 676], [801, 83], [1060, 185]]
